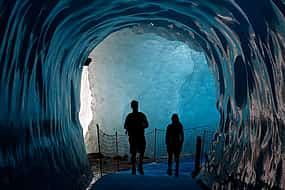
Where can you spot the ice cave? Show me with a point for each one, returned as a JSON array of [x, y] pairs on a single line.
[[214, 62], [172, 78]]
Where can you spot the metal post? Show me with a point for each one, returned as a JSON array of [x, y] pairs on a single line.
[[117, 151], [197, 156], [154, 146], [99, 150], [203, 145]]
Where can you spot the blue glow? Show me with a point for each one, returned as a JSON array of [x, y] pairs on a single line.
[[44, 44], [165, 76]]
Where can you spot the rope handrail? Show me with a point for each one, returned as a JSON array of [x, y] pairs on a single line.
[[158, 130], [117, 144]]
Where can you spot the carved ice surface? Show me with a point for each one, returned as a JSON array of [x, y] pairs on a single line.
[[164, 76], [43, 45]]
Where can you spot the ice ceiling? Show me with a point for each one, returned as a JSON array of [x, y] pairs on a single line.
[[165, 76], [44, 44]]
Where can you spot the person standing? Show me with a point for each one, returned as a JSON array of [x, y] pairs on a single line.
[[174, 141], [135, 124]]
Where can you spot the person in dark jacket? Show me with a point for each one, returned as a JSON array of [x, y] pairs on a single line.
[[174, 141], [135, 124]]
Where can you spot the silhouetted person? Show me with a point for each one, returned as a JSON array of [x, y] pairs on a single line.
[[135, 124], [174, 141]]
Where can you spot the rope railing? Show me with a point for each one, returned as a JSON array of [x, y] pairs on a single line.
[[115, 147]]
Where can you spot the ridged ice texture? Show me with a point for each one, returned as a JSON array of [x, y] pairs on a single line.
[[43, 45]]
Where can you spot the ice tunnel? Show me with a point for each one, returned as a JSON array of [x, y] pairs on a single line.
[[166, 76], [44, 45]]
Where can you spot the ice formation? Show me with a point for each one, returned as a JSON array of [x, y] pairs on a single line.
[[44, 44], [164, 76]]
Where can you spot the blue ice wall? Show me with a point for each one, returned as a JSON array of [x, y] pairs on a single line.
[[43, 45], [165, 76]]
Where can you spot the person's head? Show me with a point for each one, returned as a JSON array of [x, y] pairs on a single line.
[[135, 105], [175, 118]]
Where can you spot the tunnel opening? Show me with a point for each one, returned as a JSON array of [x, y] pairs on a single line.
[[164, 74], [44, 45]]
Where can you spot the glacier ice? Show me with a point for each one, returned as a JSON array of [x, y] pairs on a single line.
[[164, 76], [44, 44]]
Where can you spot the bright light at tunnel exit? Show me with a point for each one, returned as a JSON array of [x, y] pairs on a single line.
[[85, 114]]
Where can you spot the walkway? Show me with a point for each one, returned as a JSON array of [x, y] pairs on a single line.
[[128, 182]]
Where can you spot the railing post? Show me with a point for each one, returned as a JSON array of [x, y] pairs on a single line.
[[203, 145], [98, 138], [117, 151], [99, 149], [197, 156], [154, 146]]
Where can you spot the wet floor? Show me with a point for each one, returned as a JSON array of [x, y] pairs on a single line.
[[137, 182], [155, 178]]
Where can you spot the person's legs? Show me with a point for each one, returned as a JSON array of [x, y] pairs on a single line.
[[140, 166], [141, 150], [176, 155], [133, 154], [169, 170], [133, 161]]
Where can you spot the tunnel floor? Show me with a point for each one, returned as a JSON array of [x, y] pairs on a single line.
[[155, 178], [129, 182]]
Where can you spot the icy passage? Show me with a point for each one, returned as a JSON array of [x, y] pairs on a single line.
[[129, 182], [44, 45], [155, 178], [166, 76], [148, 64]]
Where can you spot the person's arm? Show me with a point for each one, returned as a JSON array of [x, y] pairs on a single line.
[[145, 122], [182, 134], [126, 124], [167, 136]]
